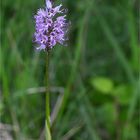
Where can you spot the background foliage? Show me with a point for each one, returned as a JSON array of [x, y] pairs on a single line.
[[94, 80]]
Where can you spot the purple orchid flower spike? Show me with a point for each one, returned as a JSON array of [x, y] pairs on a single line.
[[50, 30]]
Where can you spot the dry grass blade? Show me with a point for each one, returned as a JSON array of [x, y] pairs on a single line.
[[72, 132], [4, 131], [35, 90], [56, 108]]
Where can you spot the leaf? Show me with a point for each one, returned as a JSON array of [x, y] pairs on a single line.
[[123, 93], [102, 84]]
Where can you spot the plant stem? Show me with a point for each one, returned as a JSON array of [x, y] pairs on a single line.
[[47, 121]]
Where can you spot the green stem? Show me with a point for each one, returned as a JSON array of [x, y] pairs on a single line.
[[47, 121]]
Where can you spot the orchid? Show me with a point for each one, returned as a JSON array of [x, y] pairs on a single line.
[[51, 28]]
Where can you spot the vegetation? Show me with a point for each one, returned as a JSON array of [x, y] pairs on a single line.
[[94, 80]]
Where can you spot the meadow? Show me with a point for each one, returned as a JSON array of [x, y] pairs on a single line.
[[94, 80]]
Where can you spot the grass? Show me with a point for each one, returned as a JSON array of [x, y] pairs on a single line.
[[102, 43]]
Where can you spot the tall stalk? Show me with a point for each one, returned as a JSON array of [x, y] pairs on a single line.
[[47, 121]]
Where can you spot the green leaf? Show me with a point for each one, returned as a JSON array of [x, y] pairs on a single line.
[[102, 84], [123, 93]]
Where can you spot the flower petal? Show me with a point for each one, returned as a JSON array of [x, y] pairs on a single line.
[[42, 47], [57, 8], [48, 4]]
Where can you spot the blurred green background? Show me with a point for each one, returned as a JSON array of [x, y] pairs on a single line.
[[94, 80]]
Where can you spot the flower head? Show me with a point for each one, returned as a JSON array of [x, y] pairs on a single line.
[[50, 27]]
